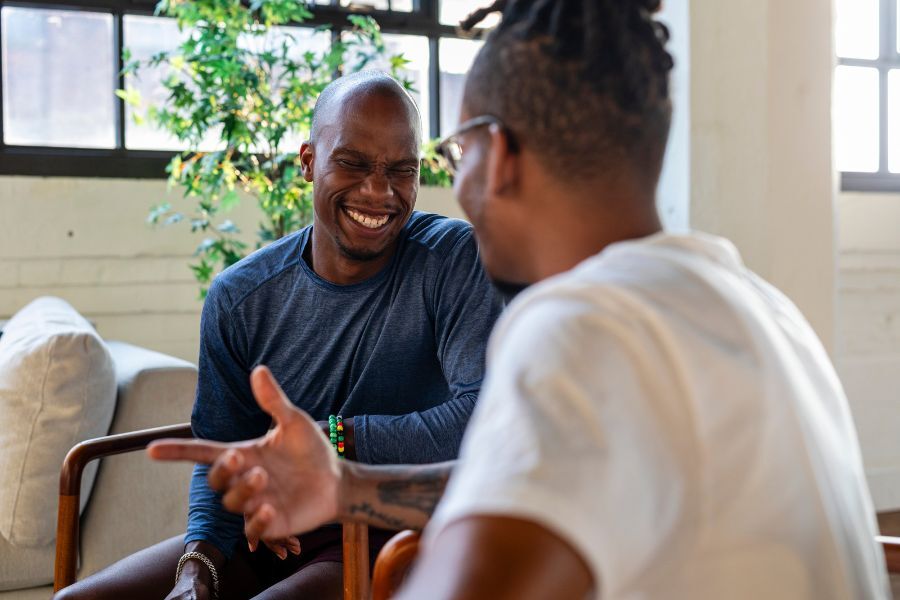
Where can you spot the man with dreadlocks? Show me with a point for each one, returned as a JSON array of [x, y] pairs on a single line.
[[656, 420]]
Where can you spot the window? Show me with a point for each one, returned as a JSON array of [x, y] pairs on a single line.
[[57, 72], [867, 94], [60, 63]]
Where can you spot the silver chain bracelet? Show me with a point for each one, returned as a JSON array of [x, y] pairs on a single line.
[[209, 565]]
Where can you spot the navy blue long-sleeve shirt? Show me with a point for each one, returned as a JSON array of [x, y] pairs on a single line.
[[402, 352]]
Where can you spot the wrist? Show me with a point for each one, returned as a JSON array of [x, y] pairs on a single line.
[[347, 488], [348, 434], [195, 569]]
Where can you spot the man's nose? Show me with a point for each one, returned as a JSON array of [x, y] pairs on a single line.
[[377, 185]]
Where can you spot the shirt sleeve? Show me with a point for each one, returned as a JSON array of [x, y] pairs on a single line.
[[466, 305], [567, 435], [224, 410]]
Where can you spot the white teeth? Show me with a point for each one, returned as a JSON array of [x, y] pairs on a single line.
[[366, 221]]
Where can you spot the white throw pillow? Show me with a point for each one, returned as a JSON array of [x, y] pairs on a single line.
[[57, 388]]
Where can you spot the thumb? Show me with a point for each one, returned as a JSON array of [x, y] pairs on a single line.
[[269, 395]]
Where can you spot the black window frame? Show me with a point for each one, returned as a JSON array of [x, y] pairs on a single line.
[[888, 60], [121, 162]]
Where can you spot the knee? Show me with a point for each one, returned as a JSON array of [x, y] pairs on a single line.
[[76, 592], [68, 593]]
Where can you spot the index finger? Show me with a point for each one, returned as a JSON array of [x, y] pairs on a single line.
[[198, 451]]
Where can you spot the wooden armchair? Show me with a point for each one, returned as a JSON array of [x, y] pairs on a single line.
[[356, 536], [395, 561], [391, 567]]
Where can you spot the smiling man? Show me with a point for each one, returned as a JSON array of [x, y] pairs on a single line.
[[376, 313]]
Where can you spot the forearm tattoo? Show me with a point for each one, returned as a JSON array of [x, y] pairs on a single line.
[[399, 497], [420, 491], [370, 514]]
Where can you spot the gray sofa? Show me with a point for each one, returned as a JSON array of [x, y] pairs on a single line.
[[134, 502]]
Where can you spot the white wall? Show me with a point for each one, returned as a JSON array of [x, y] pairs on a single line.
[[761, 169], [674, 194], [868, 340], [761, 175], [86, 240]]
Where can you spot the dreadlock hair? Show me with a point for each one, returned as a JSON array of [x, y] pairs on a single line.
[[585, 80]]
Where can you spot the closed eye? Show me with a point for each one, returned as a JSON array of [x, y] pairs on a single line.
[[405, 171], [353, 165]]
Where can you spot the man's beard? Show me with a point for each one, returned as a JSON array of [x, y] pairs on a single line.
[[508, 290], [357, 254]]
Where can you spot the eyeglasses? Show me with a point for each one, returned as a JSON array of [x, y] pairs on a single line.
[[451, 149]]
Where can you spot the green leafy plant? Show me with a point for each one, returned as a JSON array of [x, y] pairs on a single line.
[[240, 94]]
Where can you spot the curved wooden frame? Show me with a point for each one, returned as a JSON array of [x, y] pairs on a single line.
[[355, 535], [393, 564], [391, 567], [396, 558]]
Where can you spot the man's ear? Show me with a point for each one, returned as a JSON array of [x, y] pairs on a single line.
[[307, 159], [503, 165]]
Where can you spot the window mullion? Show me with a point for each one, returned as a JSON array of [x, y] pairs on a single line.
[[429, 9], [2, 110], [434, 86], [887, 24], [119, 77], [890, 50]]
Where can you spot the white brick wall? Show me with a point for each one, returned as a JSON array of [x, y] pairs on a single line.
[[868, 333], [86, 240]]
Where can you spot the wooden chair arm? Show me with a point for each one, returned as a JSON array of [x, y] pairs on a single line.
[[393, 564], [70, 488], [891, 546], [396, 558], [355, 535]]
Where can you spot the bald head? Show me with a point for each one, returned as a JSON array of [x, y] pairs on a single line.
[[344, 92]]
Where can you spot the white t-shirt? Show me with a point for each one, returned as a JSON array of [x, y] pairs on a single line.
[[674, 419]]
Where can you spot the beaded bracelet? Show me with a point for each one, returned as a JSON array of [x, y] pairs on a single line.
[[336, 433]]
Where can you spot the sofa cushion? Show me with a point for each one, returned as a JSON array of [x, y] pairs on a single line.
[[24, 568], [57, 388]]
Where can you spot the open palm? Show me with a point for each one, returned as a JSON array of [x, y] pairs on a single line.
[[285, 482]]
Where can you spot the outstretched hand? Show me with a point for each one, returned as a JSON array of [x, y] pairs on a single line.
[[285, 482]]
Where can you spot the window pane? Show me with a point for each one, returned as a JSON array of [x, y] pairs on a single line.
[[897, 10], [58, 78], [856, 109], [454, 11], [894, 121], [456, 57], [300, 40], [414, 49], [144, 37], [858, 31]]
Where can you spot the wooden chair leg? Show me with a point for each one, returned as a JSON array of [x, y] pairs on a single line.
[[356, 561], [394, 563]]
